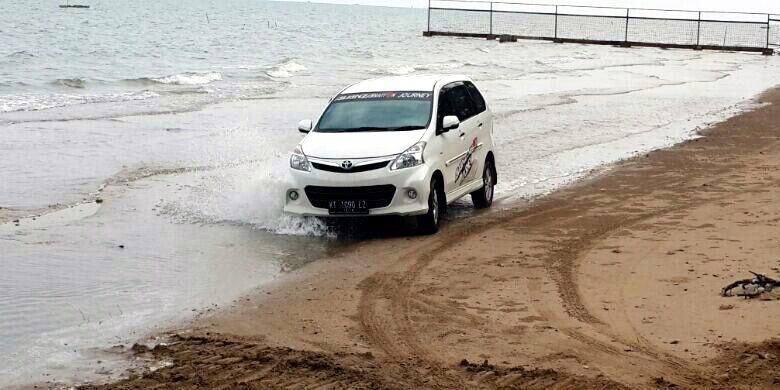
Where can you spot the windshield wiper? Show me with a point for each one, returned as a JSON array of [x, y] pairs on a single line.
[[372, 128], [407, 128], [351, 129], [367, 128]]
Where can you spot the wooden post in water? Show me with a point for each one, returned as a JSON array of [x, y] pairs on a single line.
[[491, 18], [628, 12], [767, 50], [698, 32], [429, 16]]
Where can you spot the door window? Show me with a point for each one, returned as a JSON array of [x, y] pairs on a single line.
[[461, 101], [454, 99], [445, 107]]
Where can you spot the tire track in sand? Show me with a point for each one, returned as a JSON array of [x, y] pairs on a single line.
[[389, 302]]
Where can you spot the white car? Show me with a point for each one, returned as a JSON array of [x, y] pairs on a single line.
[[405, 145]]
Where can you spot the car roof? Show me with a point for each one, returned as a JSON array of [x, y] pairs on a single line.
[[403, 83]]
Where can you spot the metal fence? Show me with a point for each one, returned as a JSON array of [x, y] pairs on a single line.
[[605, 25]]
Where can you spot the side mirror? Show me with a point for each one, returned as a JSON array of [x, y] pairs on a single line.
[[449, 122], [305, 126]]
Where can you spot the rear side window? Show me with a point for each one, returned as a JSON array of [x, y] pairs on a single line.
[[476, 97]]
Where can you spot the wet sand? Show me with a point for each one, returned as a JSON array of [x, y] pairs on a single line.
[[610, 283]]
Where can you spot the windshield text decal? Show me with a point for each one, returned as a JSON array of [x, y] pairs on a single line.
[[384, 96]]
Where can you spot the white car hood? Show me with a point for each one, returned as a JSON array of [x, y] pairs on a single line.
[[359, 144]]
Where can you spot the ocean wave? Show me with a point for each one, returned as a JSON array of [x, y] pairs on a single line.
[[407, 69], [186, 78], [72, 83], [243, 67], [13, 84], [21, 54], [12, 103], [399, 71], [286, 69], [189, 78]]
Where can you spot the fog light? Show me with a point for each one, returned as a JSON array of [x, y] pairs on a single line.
[[293, 195], [412, 194]]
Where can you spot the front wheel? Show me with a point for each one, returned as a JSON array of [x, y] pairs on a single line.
[[483, 197], [429, 223]]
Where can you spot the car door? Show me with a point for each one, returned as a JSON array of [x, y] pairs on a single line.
[[455, 100], [480, 140]]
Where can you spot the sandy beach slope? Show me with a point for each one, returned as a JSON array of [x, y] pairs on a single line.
[[611, 283]]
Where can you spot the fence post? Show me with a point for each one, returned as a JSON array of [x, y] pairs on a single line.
[[429, 15], [628, 12], [491, 18], [556, 22], [768, 22], [698, 31]]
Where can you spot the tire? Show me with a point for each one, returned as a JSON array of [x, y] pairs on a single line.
[[483, 197], [429, 223]]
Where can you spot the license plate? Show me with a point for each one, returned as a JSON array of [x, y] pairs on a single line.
[[348, 207]]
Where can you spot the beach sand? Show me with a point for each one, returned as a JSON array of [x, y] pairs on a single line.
[[613, 282]]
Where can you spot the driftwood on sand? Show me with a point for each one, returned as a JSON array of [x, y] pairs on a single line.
[[750, 288]]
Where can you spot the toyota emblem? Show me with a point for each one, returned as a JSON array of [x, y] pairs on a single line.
[[346, 164]]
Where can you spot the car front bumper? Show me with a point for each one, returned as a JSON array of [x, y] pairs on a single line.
[[416, 178]]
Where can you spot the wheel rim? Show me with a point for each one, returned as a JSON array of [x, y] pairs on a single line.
[[488, 179], [435, 206]]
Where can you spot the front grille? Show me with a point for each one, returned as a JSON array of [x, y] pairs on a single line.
[[359, 168], [375, 196]]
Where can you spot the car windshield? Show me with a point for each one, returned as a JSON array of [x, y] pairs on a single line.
[[377, 111]]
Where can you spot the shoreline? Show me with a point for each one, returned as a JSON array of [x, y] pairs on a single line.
[[591, 285]]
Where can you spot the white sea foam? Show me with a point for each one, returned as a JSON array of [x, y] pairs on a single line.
[[28, 102], [190, 78], [286, 69], [401, 70]]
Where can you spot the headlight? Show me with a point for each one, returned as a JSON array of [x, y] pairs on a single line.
[[299, 161], [412, 157]]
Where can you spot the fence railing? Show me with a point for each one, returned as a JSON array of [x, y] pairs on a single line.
[[605, 25]]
